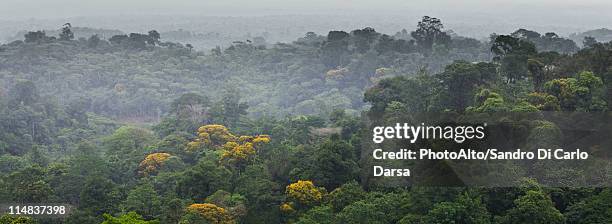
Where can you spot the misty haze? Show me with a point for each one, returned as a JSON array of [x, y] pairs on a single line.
[[305, 112]]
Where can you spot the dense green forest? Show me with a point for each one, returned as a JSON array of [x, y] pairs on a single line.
[[131, 129]]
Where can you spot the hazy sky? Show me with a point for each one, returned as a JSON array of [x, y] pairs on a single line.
[[20, 9], [476, 18]]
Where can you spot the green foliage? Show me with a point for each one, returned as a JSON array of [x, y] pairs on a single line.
[[124, 150], [128, 218], [259, 189], [66, 98], [544, 102], [8, 219], [465, 209], [416, 92], [346, 194], [429, 33], [594, 209], [376, 208], [234, 203], [99, 195], [362, 212], [534, 207], [28, 185], [104, 72], [203, 179], [332, 164], [583, 93], [460, 81], [513, 54], [317, 215], [547, 42], [143, 200], [487, 101]]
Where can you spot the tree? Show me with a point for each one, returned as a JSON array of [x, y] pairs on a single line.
[[332, 164], [23, 93], [335, 49], [429, 33], [210, 213], [173, 209], [363, 39], [513, 54], [594, 209], [583, 93], [346, 194], [317, 215], [212, 136], [230, 109], [125, 149], [235, 204], [238, 154], [589, 42], [143, 199], [99, 196], [525, 34], [544, 101], [93, 41], [36, 37], [203, 179], [10, 219], [536, 70], [534, 207], [66, 33], [152, 163], [548, 42], [460, 81], [304, 192], [487, 101], [128, 218], [29, 185], [260, 191], [77, 110], [362, 212], [154, 37], [37, 156], [465, 209], [414, 92]]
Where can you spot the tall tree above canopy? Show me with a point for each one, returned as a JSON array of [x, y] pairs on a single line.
[[66, 33], [363, 39], [154, 37], [512, 53], [461, 79], [429, 32], [335, 48]]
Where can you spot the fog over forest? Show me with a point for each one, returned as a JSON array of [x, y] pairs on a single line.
[[268, 111], [284, 21]]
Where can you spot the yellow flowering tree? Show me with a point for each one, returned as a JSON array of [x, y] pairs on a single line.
[[213, 136], [211, 213], [238, 153], [152, 163], [261, 139], [235, 151], [304, 192]]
